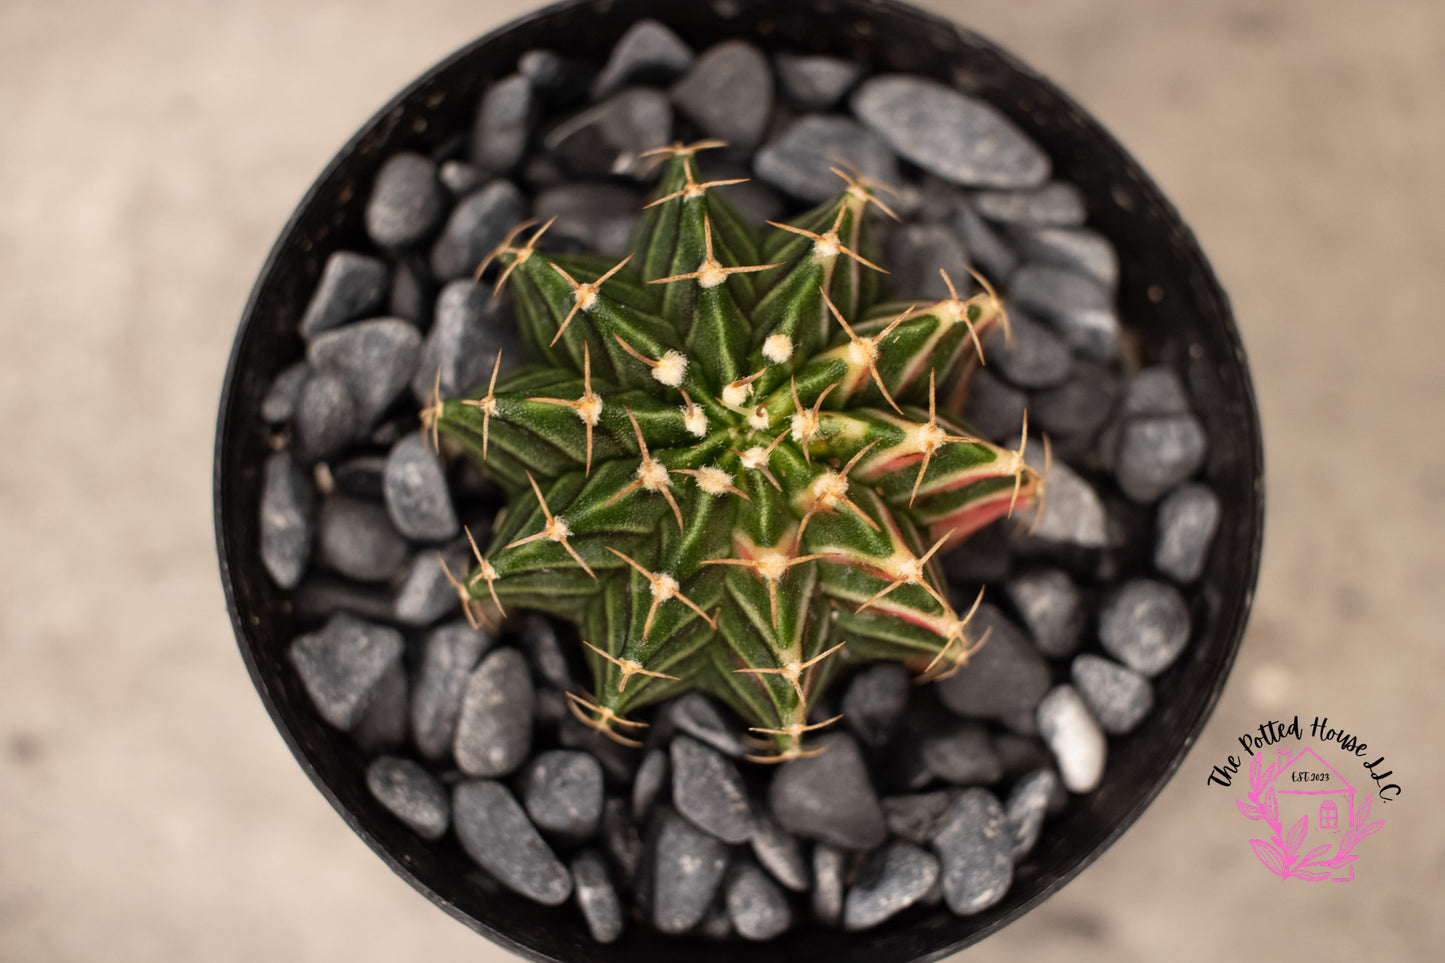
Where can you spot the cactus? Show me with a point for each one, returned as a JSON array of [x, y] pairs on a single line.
[[725, 461]]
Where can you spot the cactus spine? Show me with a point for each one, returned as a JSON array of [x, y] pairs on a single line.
[[725, 462]]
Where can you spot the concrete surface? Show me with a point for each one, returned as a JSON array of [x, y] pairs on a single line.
[[150, 153]]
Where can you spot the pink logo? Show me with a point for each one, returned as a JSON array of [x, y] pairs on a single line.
[[1318, 805]]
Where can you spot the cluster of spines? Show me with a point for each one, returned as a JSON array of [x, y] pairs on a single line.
[[738, 489]]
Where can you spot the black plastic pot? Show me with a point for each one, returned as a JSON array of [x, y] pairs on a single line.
[[1168, 296]]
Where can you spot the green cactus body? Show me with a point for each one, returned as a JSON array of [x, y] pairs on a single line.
[[723, 461]]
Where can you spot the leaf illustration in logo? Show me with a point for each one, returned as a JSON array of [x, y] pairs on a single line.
[[1316, 853], [1256, 772], [1267, 854], [1371, 829], [1296, 835], [1248, 811], [1271, 807], [1360, 813], [1314, 874]]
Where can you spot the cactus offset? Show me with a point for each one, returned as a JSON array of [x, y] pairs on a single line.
[[725, 462]]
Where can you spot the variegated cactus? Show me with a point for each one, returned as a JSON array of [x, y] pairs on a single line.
[[724, 459]]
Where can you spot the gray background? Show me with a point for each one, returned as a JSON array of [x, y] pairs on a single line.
[[150, 153]]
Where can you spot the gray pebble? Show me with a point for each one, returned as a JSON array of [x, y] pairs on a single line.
[[975, 848], [327, 418], [993, 255], [875, 700], [426, 594], [412, 292], [1158, 452], [495, 832], [596, 896], [449, 655], [412, 794], [544, 650], [957, 137], [829, 869], [1078, 307], [619, 762], [1005, 677], [376, 359], [476, 226], [992, 408], [342, 664], [686, 868], [494, 728], [815, 82], [356, 538], [695, 715], [281, 398], [461, 178], [916, 817], [1188, 518], [891, 880], [651, 777], [288, 520], [599, 216], [829, 797], [503, 123], [1155, 391], [1034, 357], [416, 491], [352, 286], [728, 93], [780, 853], [708, 789], [562, 790], [962, 755], [551, 707], [1145, 625], [382, 727], [1073, 513], [542, 68], [320, 596], [1080, 406], [406, 201], [470, 327], [620, 838], [1052, 608], [1074, 738], [797, 160], [647, 53], [756, 906], [1078, 249], [610, 138], [916, 253], [1119, 698], [1056, 204], [1026, 807]]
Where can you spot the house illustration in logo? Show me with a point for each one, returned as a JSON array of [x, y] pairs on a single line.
[[1315, 815], [1310, 787]]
